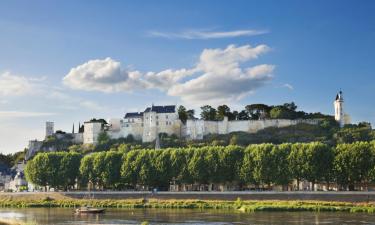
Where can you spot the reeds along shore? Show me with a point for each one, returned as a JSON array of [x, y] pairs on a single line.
[[238, 205]]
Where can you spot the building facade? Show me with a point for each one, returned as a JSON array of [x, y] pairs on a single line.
[[339, 109]]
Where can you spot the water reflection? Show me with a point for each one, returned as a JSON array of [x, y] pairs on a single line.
[[168, 216]]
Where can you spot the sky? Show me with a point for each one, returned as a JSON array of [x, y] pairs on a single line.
[[70, 61]]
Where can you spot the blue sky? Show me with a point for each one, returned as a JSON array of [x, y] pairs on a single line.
[[69, 61]]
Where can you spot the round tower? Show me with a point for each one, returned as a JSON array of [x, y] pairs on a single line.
[[339, 109]]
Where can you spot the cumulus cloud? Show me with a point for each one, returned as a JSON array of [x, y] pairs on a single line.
[[202, 34], [107, 75], [218, 76], [14, 85]]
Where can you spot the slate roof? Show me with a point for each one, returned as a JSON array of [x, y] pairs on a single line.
[[162, 109], [133, 115]]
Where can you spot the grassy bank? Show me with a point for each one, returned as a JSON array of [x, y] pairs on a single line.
[[244, 206]]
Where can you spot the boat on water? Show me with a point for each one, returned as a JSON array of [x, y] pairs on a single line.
[[88, 209]]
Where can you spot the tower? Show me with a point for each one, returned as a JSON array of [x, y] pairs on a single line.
[[49, 129], [339, 109]]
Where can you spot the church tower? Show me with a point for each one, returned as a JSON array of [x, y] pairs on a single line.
[[339, 109]]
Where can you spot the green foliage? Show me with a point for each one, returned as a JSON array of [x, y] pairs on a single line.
[[208, 113], [353, 164], [350, 165], [352, 133]]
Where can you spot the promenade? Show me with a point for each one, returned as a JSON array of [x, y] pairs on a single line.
[[231, 196]]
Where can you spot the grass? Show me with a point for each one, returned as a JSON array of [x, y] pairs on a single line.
[[57, 200]]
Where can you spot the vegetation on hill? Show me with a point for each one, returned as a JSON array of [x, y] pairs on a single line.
[[250, 112], [350, 166]]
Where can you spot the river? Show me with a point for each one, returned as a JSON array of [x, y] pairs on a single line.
[[181, 216]]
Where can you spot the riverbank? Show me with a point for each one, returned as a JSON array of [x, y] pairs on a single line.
[[52, 199]]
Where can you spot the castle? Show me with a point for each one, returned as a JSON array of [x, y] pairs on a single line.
[[146, 126]]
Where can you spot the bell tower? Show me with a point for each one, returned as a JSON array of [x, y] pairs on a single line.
[[339, 109]]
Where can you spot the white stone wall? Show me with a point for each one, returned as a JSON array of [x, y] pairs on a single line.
[[91, 132], [77, 138], [197, 129]]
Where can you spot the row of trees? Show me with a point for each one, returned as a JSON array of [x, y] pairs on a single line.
[[347, 165], [250, 112]]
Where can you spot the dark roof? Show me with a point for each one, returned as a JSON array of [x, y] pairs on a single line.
[[133, 114], [162, 109]]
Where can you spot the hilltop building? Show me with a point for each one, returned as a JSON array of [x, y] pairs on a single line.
[[340, 115], [146, 126]]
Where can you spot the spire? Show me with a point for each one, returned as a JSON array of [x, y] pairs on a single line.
[[73, 129]]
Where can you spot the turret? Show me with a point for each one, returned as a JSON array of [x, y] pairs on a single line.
[[339, 109]]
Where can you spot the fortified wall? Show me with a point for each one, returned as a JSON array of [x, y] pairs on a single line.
[[197, 129]]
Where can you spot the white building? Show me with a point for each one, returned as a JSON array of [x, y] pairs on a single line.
[[49, 128], [339, 109], [91, 132]]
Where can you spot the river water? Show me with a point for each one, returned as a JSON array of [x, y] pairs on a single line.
[[181, 216]]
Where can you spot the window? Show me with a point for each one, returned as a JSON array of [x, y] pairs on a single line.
[[157, 117], [157, 123], [166, 123], [166, 116]]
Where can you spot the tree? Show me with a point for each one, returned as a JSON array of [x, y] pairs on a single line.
[[319, 161], [182, 114], [69, 169], [129, 169], [43, 170], [247, 167], [281, 174], [243, 115], [208, 113], [256, 111], [354, 133], [264, 165], [230, 162], [111, 175], [86, 170], [353, 164], [297, 162], [198, 167], [280, 112], [290, 106], [222, 111], [190, 114], [163, 167]]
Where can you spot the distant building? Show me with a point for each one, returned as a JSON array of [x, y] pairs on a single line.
[[147, 125], [49, 128], [339, 109], [92, 130]]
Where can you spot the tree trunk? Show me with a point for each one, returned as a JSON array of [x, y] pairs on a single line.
[[297, 184]]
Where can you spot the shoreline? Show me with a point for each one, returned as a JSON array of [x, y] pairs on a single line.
[[55, 199]]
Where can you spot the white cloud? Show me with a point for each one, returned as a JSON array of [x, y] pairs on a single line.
[[23, 114], [204, 34], [289, 86], [107, 76], [218, 76], [13, 85]]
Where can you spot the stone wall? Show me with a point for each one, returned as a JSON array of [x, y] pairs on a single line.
[[197, 129]]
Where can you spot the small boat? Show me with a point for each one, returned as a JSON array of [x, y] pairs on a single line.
[[88, 209]]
